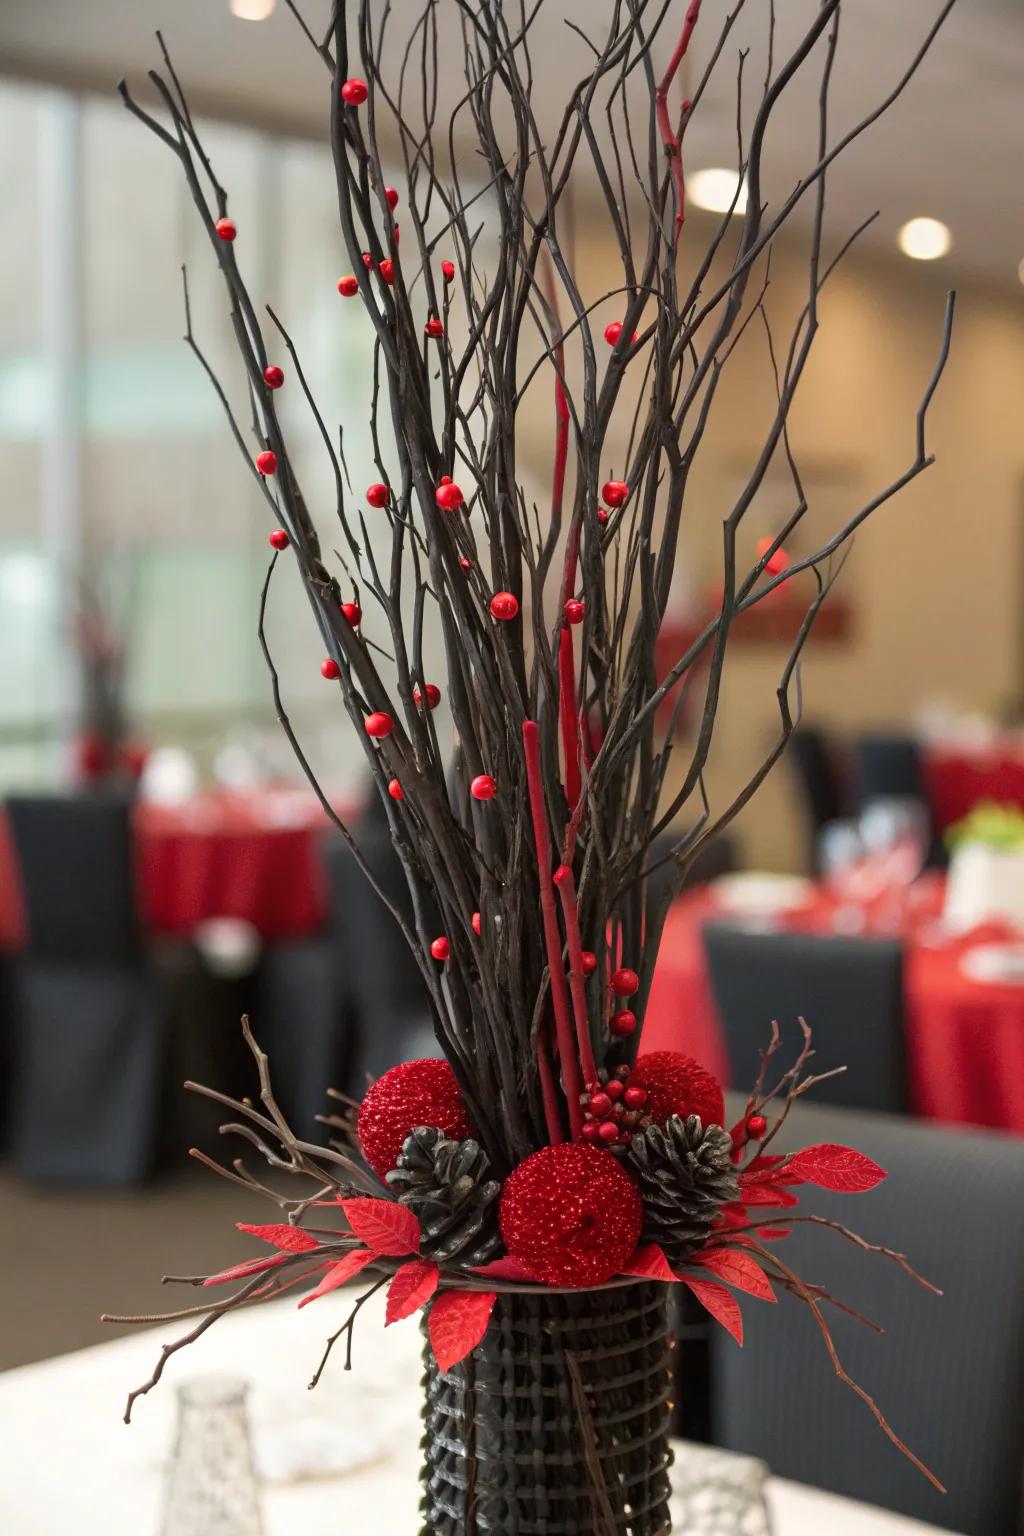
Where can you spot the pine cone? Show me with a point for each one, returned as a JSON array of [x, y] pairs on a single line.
[[685, 1173], [446, 1186]]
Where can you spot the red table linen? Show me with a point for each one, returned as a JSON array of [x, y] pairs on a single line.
[[958, 780]]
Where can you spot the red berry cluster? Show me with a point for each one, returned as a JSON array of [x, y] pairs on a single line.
[[614, 1109]]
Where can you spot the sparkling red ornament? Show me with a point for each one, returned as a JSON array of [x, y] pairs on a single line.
[[377, 494], [226, 229], [614, 492], [330, 669], [348, 287], [266, 462], [678, 1085], [757, 1126], [391, 193], [484, 787], [278, 539], [433, 328], [353, 613], [588, 961], [574, 611], [624, 982], [415, 1093], [432, 692], [623, 1024], [571, 1215], [387, 271], [448, 496], [273, 376], [448, 271], [504, 605], [354, 92], [440, 948], [476, 923], [395, 790], [378, 724]]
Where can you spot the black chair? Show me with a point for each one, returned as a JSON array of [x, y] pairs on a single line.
[[948, 1375], [889, 767], [850, 991], [90, 1025], [822, 784]]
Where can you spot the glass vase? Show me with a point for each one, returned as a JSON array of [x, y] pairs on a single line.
[[212, 1488]]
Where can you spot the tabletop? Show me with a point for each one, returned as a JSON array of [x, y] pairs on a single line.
[[73, 1465]]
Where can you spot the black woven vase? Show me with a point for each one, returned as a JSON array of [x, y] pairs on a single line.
[[558, 1423]]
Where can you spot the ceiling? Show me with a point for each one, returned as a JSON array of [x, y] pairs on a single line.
[[950, 148]]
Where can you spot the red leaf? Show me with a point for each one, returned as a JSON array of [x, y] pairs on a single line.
[[722, 1305], [771, 1234], [778, 1171], [739, 1269], [282, 1235], [650, 1263], [458, 1321], [505, 1269], [766, 1194], [383, 1225], [837, 1168], [246, 1268], [411, 1288], [338, 1273]]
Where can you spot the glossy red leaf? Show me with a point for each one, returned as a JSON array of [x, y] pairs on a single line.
[[411, 1288], [650, 1263], [766, 1194], [338, 1274], [722, 1305], [513, 1270], [458, 1321], [383, 1225], [773, 1234], [282, 1235], [837, 1168], [246, 1268], [737, 1269]]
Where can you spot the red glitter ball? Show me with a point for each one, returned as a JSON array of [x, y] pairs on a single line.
[[395, 790], [354, 93], [504, 605], [226, 229], [413, 1094], [449, 496], [266, 462], [348, 287], [278, 539], [484, 787], [614, 492], [329, 668], [273, 376], [624, 982], [678, 1085], [571, 1215], [448, 271]]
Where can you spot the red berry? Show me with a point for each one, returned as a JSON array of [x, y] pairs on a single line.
[[602, 515], [635, 1098], [226, 229], [623, 1023], [678, 1085], [391, 193], [476, 923], [354, 93], [590, 1130], [415, 1093], [395, 233], [279, 539], [367, 261], [433, 328], [624, 982], [465, 565], [574, 611], [448, 496], [600, 1105], [348, 287], [445, 480], [330, 669], [353, 613], [273, 376], [614, 492], [589, 962], [395, 790], [504, 605], [570, 1214], [266, 462], [609, 1131], [776, 562], [377, 494], [387, 271], [484, 787], [440, 948], [378, 724], [448, 271], [757, 1125], [613, 332], [614, 1088], [432, 692]]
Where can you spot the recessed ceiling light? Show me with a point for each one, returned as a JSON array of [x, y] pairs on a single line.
[[924, 239], [714, 188], [252, 10]]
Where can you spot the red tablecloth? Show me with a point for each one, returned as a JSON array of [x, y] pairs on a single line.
[[252, 856], [965, 1039], [958, 780]]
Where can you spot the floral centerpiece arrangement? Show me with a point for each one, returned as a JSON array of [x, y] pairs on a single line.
[[540, 1189]]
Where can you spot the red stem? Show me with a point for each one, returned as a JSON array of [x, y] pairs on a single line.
[[571, 912], [549, 1091], [567, 715], [669, 138], [552, 938]]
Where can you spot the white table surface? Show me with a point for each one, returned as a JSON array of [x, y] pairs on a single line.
[[70, 1464]]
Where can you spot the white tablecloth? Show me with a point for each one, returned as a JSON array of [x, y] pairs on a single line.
[[70, 1464]]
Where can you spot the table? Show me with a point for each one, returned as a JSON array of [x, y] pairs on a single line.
[[73, 1466], [965, 1038], [957, 778]]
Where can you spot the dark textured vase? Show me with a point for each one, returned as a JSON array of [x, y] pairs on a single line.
[[558, 1423]]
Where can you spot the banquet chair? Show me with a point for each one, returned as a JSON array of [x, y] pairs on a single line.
[[850, 991], [89, 1021], [821, 783], [718, 857], [948, 1374], [890, 767]]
